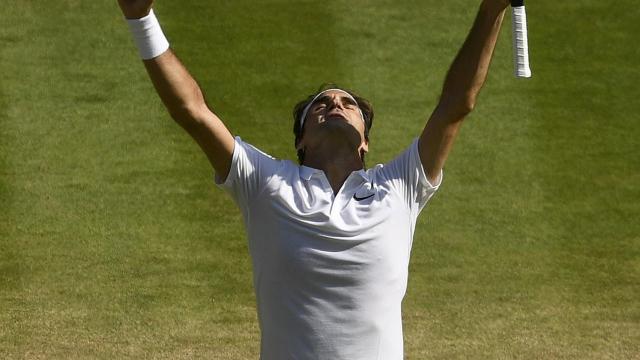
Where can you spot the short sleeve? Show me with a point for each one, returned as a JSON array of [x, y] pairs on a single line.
[[250, 171], [406, 175]]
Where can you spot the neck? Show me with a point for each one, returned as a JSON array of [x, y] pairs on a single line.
[[337, 162]]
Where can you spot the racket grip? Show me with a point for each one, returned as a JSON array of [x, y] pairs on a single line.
[[520, 42]]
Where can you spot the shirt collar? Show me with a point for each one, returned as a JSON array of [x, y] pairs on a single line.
[[307, 173], [363, 174]]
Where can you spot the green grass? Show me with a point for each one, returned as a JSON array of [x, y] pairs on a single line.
[[114, 242]]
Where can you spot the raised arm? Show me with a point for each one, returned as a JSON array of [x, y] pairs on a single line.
[[183, 98], [462, 84]]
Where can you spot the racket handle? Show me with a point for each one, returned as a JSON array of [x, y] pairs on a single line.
[[520, 42]]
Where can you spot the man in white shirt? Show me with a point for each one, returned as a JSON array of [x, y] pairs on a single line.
[[329, 240]]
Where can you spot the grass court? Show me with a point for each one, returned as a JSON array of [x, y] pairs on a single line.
[[115, 243]]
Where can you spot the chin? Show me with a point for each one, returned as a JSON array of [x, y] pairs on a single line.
[[344, 130]]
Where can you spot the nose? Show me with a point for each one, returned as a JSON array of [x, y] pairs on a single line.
[[336, 102]]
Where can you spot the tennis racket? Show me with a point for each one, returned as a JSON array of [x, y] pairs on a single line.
[[520, 42]]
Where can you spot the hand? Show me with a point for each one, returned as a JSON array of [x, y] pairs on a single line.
[[135, 9]]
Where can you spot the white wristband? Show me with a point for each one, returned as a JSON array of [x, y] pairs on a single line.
[[148, 36]]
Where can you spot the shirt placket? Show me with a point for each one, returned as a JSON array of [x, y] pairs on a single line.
[[345, 193]]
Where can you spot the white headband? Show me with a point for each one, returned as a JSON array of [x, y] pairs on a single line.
[[306, 108]]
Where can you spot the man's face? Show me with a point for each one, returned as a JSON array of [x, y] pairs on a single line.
[[335, 110]]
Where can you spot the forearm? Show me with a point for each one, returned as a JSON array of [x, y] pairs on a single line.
[[178, 90], [469, 69]]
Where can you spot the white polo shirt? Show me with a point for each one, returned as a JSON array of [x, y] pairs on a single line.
[[329, 271]]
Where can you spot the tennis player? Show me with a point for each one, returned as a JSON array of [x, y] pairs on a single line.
[[329, 239]]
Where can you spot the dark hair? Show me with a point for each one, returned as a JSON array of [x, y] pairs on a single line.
[[365, 106]]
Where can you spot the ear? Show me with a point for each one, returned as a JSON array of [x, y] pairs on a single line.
[[364, 146]]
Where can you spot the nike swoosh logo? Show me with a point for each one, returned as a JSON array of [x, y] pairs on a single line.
[[363, 198]]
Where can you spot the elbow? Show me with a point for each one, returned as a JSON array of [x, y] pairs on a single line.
[[466, 105], [186, 107], [466, 102], [186, 115], [193, 119], [458, 107]]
